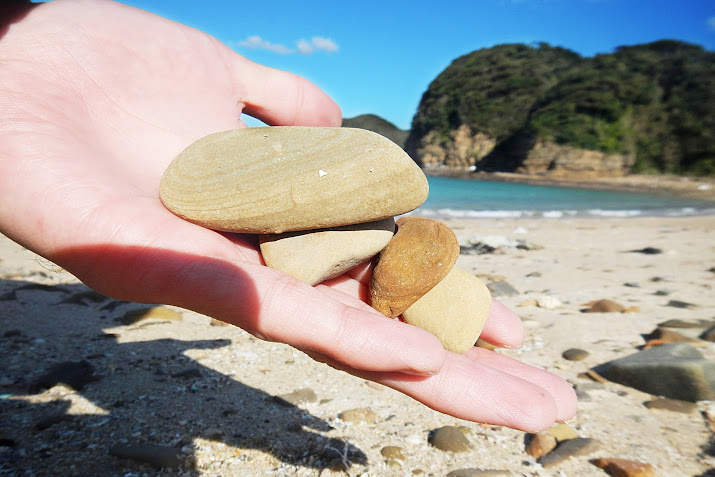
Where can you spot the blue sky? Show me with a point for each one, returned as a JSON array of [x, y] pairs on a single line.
[[380, 56]]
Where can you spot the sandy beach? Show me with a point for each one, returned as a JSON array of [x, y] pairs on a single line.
[[231, 405]]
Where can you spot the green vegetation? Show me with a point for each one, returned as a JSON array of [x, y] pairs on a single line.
[[376, 124], [654, 102]]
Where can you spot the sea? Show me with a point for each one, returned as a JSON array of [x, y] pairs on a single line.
[[468, 198]]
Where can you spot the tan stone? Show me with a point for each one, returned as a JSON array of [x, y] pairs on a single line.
[[455, 310], [316, 256], [281, 179], [562, 432], [540, 444], [359, 416], [420, 254]]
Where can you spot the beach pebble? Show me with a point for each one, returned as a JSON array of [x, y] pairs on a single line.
[[502, 288], [562, 432], [156, 455], [449, 439], [624, 468], [648, 251], [282, 179], [548, 302], [455, 310], [419, 256], [682, 304], [394, 456], [478, 473], [675, 370], [299, 396], [575, 354], [159, 313], [540, 444], [699, 324], [674, 405], [667, 335], [708, 335], [604, 306], [359, 416], [570, 448], [316, 256]]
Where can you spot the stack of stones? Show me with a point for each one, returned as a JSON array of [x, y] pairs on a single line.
[[323, 200]]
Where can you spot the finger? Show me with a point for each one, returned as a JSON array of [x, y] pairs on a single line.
[[281, 98], [265, 302], [503, 327], [363, 271], [468, 389], [349, 292], [292, 312], [562, 392]]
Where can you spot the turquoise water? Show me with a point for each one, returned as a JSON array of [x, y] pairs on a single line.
[[450, 197]]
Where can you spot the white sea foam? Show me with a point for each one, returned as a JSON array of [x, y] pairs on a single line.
[[614, 213], [454, 213]]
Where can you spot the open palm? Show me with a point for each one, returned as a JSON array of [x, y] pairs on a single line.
[[97, 98]]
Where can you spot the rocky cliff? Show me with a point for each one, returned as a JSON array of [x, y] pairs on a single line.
[[542, 109]]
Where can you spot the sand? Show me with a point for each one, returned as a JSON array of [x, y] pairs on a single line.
[[208, 391]]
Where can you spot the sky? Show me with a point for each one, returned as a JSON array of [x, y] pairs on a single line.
[[380, 56]]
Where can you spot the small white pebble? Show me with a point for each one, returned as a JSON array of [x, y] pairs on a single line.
[[322, 173]]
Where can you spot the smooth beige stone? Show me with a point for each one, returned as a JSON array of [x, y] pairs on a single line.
[[455, 310], [316, 256], [421, 253], [282, 179]]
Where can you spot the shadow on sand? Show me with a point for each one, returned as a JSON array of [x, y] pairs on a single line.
[[170, 400]]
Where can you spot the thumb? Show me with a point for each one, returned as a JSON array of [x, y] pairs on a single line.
[[280, 98]]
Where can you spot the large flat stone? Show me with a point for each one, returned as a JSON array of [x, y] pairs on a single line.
[[316, 256], [675, 370], [282, 179]]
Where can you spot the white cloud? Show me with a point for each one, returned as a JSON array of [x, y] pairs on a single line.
[[325, 44], [711, 23], [302, 46], [258, 43]]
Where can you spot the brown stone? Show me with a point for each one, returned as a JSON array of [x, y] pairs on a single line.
[[540, 444], [282, 179], [670, 336], [674, 405], [419, 256], [624, 468], [449, 439], [604, 306]]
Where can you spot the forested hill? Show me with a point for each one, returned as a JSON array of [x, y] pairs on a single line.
[[514, 107], [377, 124]]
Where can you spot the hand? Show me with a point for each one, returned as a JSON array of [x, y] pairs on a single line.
[[97, 98]]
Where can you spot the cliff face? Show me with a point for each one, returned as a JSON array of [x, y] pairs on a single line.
[[644, 108]]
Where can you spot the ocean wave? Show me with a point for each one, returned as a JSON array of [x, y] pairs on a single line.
[[614, 213], [455, 213]]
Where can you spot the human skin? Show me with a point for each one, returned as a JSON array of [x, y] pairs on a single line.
[[96, 98]]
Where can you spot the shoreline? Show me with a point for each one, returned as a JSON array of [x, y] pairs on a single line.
[[701, 188]]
